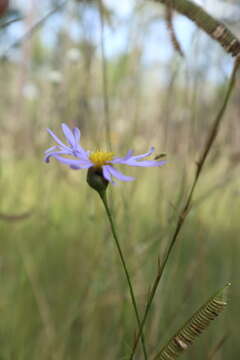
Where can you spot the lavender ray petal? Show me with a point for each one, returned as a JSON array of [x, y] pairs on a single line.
[[107, 173], [128, 155], [54, 154], [119, 160], [71, 162], [76, 167], [125, 159], [69, 135], [51, 149], [145, 163], [57, 139], [80, 153], [138, 157], [76, 134], [114, 172]]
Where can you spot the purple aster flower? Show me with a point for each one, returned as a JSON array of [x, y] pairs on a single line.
[[102, 162], [74, 148]]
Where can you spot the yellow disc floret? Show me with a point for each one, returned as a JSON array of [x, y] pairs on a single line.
[[100, 158]]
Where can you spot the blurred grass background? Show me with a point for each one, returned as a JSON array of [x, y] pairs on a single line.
[[63, 293]]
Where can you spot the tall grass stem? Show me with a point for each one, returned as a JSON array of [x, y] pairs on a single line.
[[104, 76]]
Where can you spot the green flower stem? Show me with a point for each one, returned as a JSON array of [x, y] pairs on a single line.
[[134, 303]]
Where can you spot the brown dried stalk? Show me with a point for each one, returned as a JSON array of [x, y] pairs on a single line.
[[214, 28]]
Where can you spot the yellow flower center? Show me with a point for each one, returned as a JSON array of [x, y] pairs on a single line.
[[100, 158]]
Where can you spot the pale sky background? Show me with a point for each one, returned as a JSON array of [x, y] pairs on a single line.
[[157, 46]]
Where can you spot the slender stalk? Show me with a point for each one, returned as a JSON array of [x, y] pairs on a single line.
[[104, 76], [10, 22], [186, 208], [134, 303], [218, 346]]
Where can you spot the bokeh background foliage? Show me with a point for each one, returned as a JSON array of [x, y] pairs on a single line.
[[63, 294]]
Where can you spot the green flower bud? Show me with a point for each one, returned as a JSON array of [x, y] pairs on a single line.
[[96, 180]]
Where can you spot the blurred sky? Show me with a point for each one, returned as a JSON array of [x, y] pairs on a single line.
[[115, 39], [157, 45]]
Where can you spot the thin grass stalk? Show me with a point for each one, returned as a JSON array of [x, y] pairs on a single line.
[[183, 214], [133, 298], [170, 27], [10, 22], [15, 217], [104, 76], [218, 347], [40, 298]]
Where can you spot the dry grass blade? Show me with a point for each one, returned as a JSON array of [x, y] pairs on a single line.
[[194, 326], [173, 36], [10, 22], [13, 217], [217, 347]]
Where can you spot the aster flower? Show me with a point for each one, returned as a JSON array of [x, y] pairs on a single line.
[[101, 162]]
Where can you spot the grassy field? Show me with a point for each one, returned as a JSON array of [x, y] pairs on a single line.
[[63, 292]]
